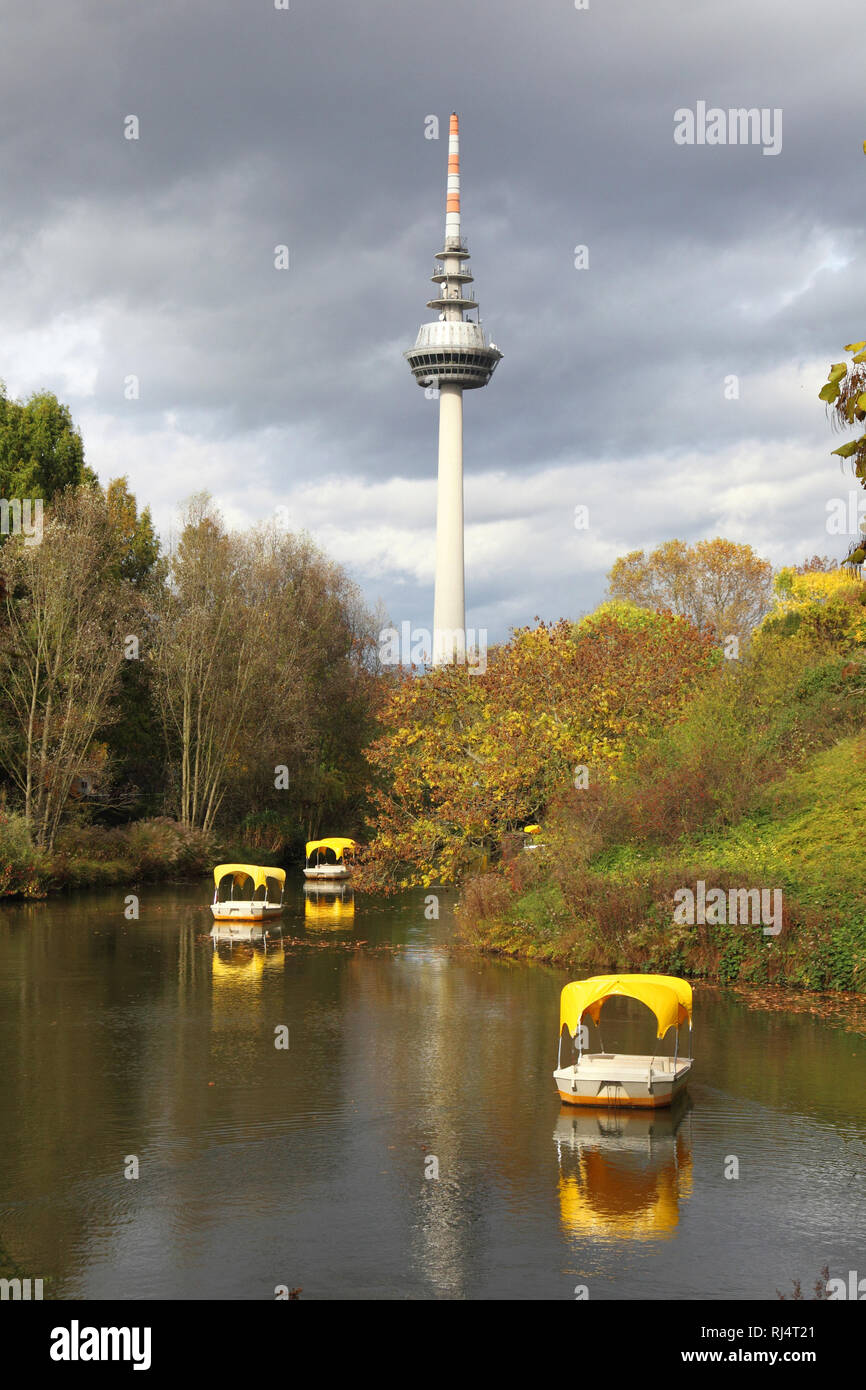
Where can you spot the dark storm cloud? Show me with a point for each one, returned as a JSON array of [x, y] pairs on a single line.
[[306, 127]]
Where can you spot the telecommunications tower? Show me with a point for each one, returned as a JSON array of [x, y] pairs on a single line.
[[451, 355]]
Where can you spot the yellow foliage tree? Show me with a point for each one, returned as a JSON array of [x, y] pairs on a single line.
[[828, 604], [465, 758]]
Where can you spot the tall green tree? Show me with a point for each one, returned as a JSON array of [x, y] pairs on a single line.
[[41, 451], [138, 543], [134, 737]]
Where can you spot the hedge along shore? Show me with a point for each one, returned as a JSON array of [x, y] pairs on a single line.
[[93, 856]]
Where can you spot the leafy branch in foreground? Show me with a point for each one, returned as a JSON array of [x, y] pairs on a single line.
[[845, 393]]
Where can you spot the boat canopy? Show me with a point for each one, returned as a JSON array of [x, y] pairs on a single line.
[[668, 997], [258, 873], [337, 845]]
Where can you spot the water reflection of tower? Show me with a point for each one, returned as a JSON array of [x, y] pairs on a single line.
[[411, 1025], [623, 1174], [453, 355]]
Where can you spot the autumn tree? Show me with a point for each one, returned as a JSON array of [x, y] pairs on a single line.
[[715, 584], [466, 758], [325, 641], [828, 605], [816, 564], [66, 613], [209, 651], [137, 541], [257, 673]]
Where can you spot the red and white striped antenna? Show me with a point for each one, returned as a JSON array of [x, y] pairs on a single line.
[[452, 195]]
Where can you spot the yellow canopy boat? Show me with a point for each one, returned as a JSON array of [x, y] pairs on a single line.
[[247, 893], [327, 858], [610, 1078]]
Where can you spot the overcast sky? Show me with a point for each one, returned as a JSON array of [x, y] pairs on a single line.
[[288, 389]]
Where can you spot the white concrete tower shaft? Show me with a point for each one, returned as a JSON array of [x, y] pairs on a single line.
[[449, 599], [451, 355]]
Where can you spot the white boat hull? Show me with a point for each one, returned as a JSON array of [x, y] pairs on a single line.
[[253, 933], [245, 911], [332, 871], [621, 1079]]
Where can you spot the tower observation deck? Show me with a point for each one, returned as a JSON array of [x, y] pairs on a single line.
[[451, 355]]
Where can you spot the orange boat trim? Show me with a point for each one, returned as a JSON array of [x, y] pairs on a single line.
[[617, 1101]]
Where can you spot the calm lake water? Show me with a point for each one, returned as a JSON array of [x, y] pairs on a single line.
[[306, 1166]]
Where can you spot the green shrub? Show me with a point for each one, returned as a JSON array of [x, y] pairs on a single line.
[[93, 856], [22, 867]]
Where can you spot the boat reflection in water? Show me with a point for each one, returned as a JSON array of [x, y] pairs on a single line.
[[250, 933], [327, 909], [239, 967], [623, 1173]]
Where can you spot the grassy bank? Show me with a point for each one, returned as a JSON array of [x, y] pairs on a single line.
[[93, 856], [603, 907]]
